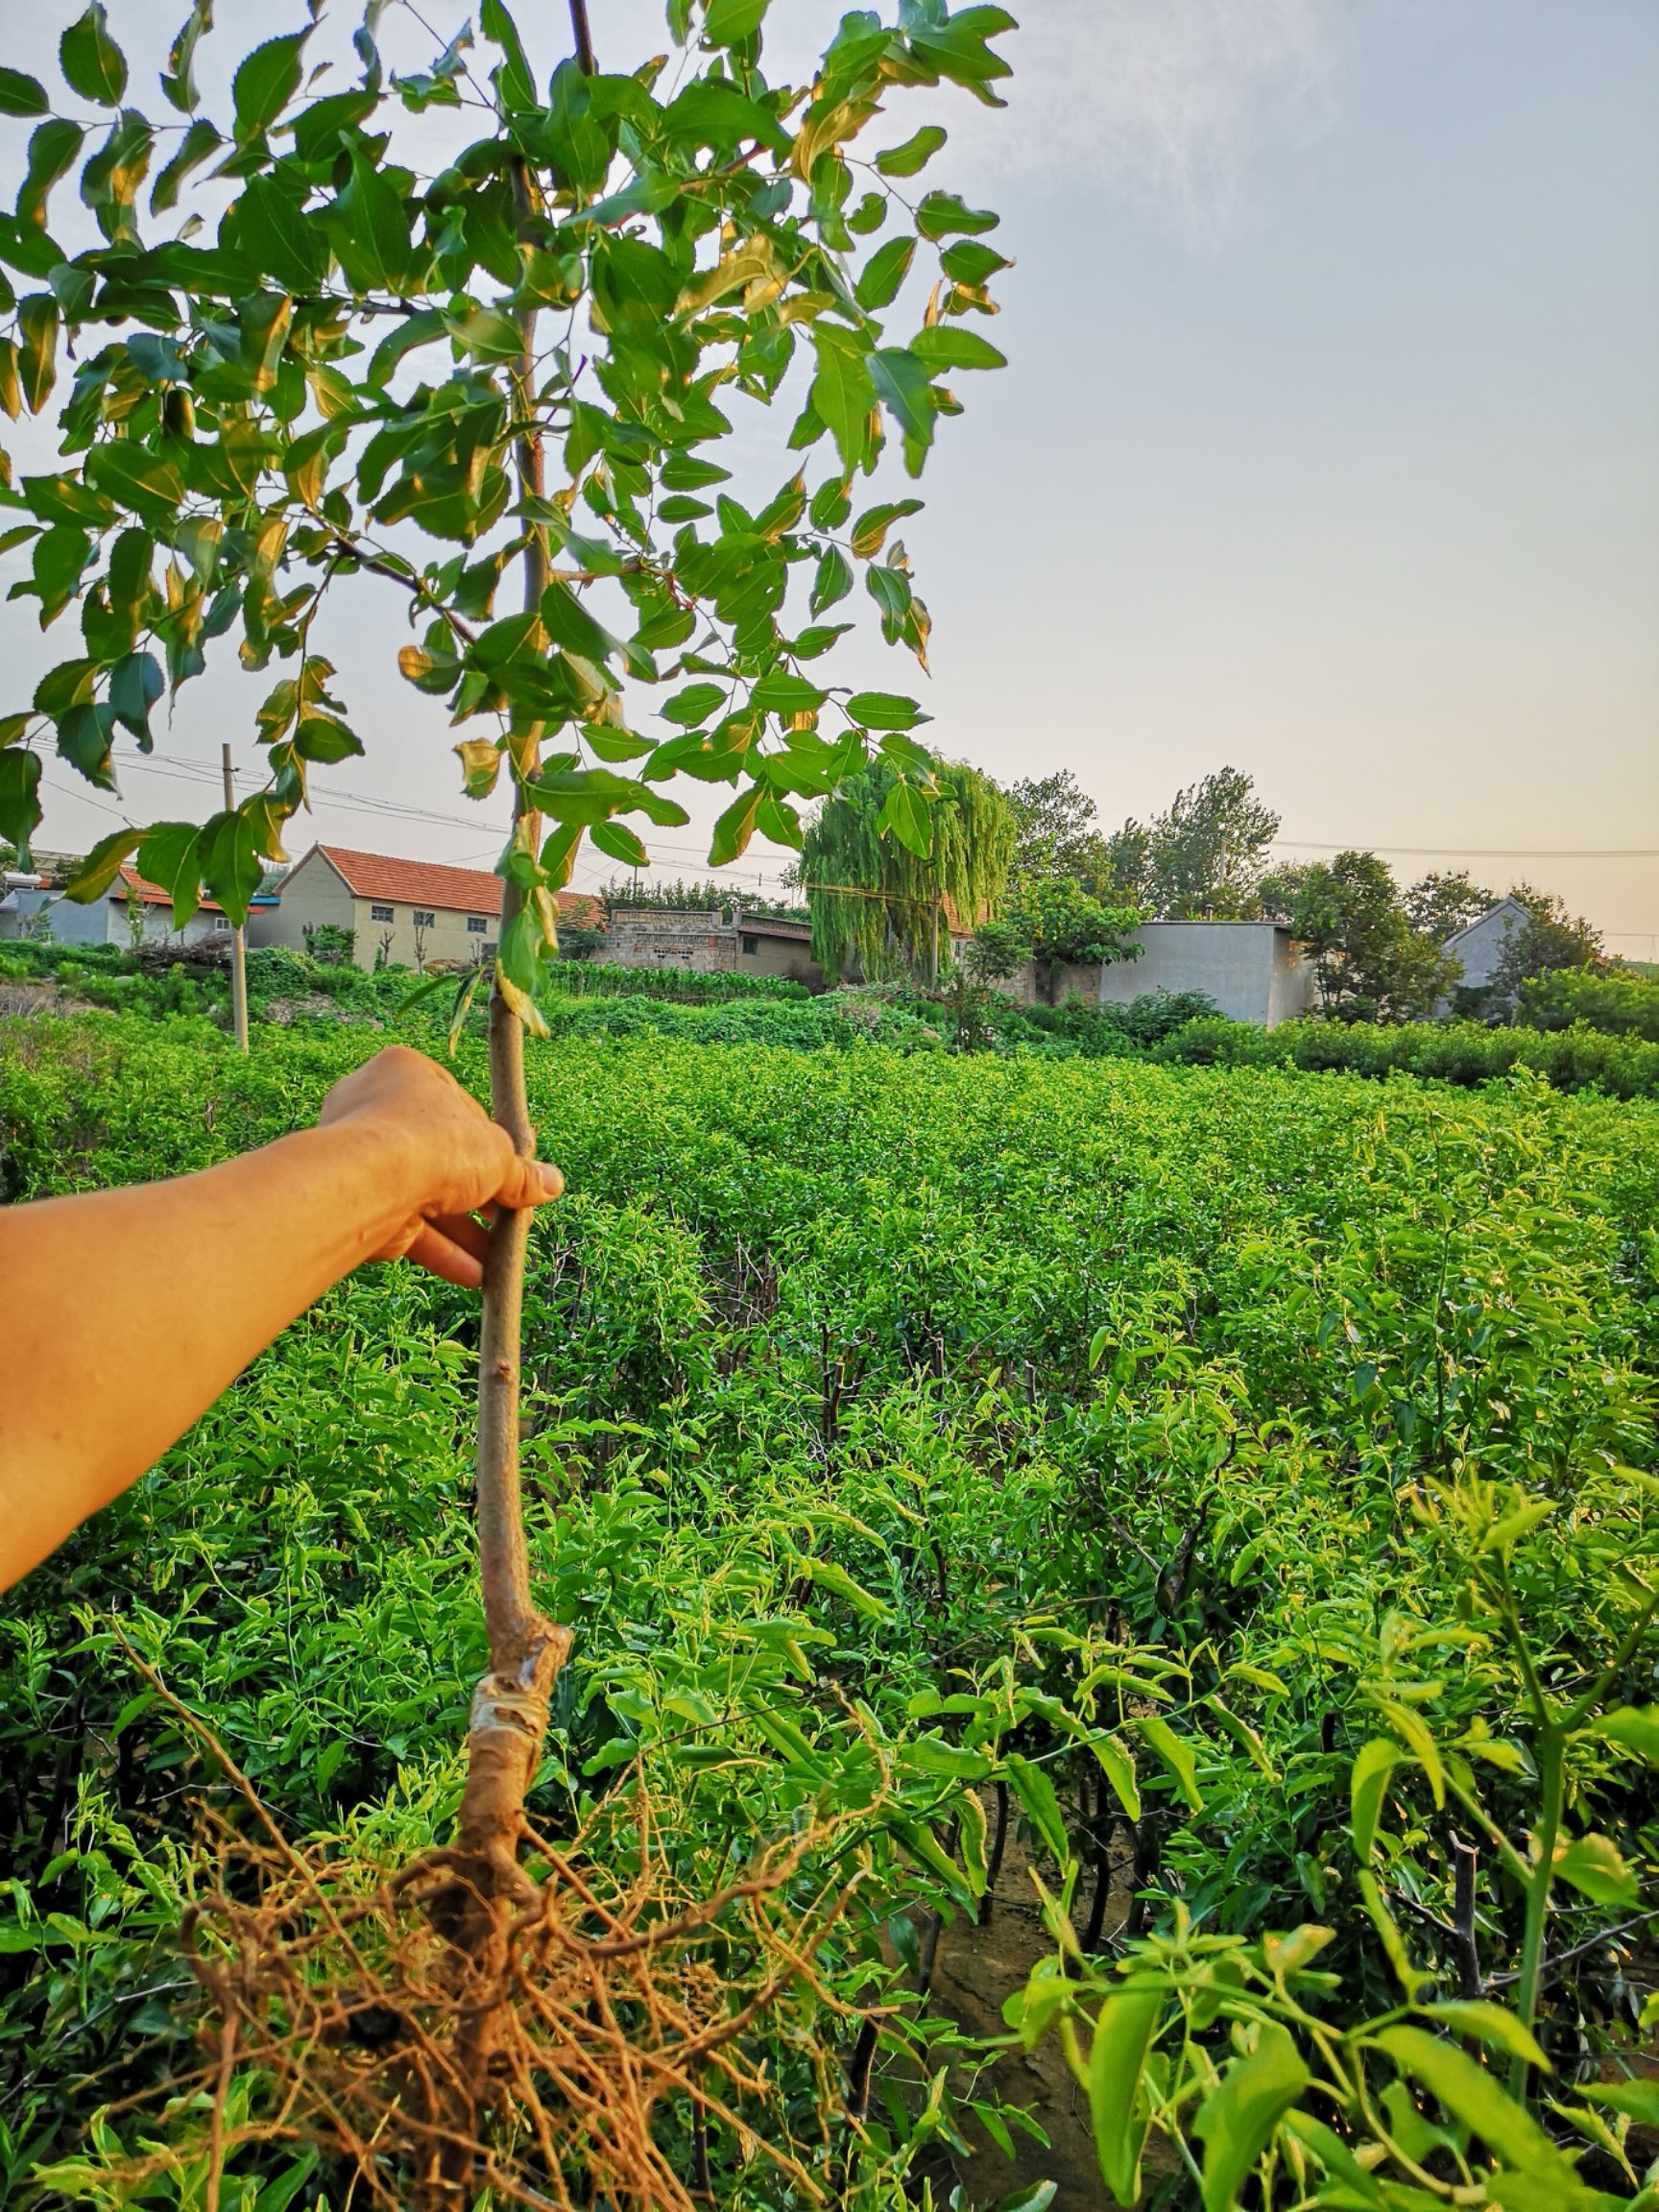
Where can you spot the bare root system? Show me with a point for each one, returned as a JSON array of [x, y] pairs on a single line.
[[576, 2039]]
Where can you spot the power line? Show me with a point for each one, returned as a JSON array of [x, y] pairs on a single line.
[[1472, 851]]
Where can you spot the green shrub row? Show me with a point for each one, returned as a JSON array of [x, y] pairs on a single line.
[[1575, 1059]]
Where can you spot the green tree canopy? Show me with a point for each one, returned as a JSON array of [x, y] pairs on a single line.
[[1371, 965], [1441, 904], [885, 884]]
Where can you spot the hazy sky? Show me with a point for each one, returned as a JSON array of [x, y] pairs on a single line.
[[1329, 446]]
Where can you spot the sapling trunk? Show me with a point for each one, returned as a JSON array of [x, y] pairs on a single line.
[[509, 1718]]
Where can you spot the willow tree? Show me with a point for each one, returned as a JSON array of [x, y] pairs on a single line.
[[905, 850], [336, 375]]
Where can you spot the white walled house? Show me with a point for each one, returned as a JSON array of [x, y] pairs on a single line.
[[1478, 946], [131, 907], [408, 912], [1254, 970]]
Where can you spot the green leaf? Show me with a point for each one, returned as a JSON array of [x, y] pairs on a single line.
[[21, 94], [1175, 1755], [325, 737], [136, 683], [616, 840], [229, 859], [1367, 1785], [727, 21], [1338, 2161], [843, 392], [37, 325], [85, 735], [1119, 1769], [1633, 1728], [93, 876], [830, 1575], [968, 262], [51, 149], [902, 383], [377, 219], [943, 212], [515, 78], [1036, 1795], [1473, 2097], [292, 248], [1639, 2099], [171, 856], [129, 473], [736, 827], [1491, 2025], [833, 580], [885, 710], [914, 153], [904, 816], [264, 83], [198, 141], [1116, 2061], [694, 704], [879, 281], [19, 783], [177, 80], [947, 345], [1238, 2118], [91, 61], [784, 694], [1594, 1866]]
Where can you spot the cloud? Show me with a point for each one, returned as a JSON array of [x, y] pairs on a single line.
[[1172, 103]]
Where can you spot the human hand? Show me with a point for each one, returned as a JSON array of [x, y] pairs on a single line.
[[439, 1156]]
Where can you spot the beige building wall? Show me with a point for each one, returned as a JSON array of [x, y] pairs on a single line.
[[316, 895], [790, 958], [446, 936], [312, 894]]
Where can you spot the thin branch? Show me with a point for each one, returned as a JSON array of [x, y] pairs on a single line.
[[584, 39]]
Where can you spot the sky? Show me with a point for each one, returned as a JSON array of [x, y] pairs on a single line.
[[1328, 447]]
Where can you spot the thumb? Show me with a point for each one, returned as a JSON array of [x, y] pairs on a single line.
[[528, 1183]]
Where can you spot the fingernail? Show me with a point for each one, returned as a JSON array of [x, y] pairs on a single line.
[[552, 1182]]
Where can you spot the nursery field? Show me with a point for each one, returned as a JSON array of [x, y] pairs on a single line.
[[1204, 1517]]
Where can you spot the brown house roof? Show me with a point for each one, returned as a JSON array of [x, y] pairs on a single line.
[[429, 883]]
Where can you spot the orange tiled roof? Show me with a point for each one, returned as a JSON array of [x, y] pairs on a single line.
[[152, 894], [429, 883]]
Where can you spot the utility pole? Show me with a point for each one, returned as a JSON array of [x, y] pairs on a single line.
[[239, 942]]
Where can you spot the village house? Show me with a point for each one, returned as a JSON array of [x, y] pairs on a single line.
[[406, 913], [1478, 946], [134, 911], [713, 941], [1251, 971]]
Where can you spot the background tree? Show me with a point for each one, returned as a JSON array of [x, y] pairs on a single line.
[[1207, 854], [1280, 888], [1439, 905], [338, 370], [1549, 940], [1066, 926], [1370, 964], [1056, 832], [886, 881]]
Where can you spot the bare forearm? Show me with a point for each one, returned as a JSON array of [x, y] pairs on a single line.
[[128, 1311]]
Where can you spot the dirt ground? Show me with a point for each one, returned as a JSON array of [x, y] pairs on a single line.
[[975, 1968]]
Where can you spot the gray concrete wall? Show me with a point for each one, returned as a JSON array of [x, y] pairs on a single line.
[[644, 937], [1480, 947], [1250, 970]]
